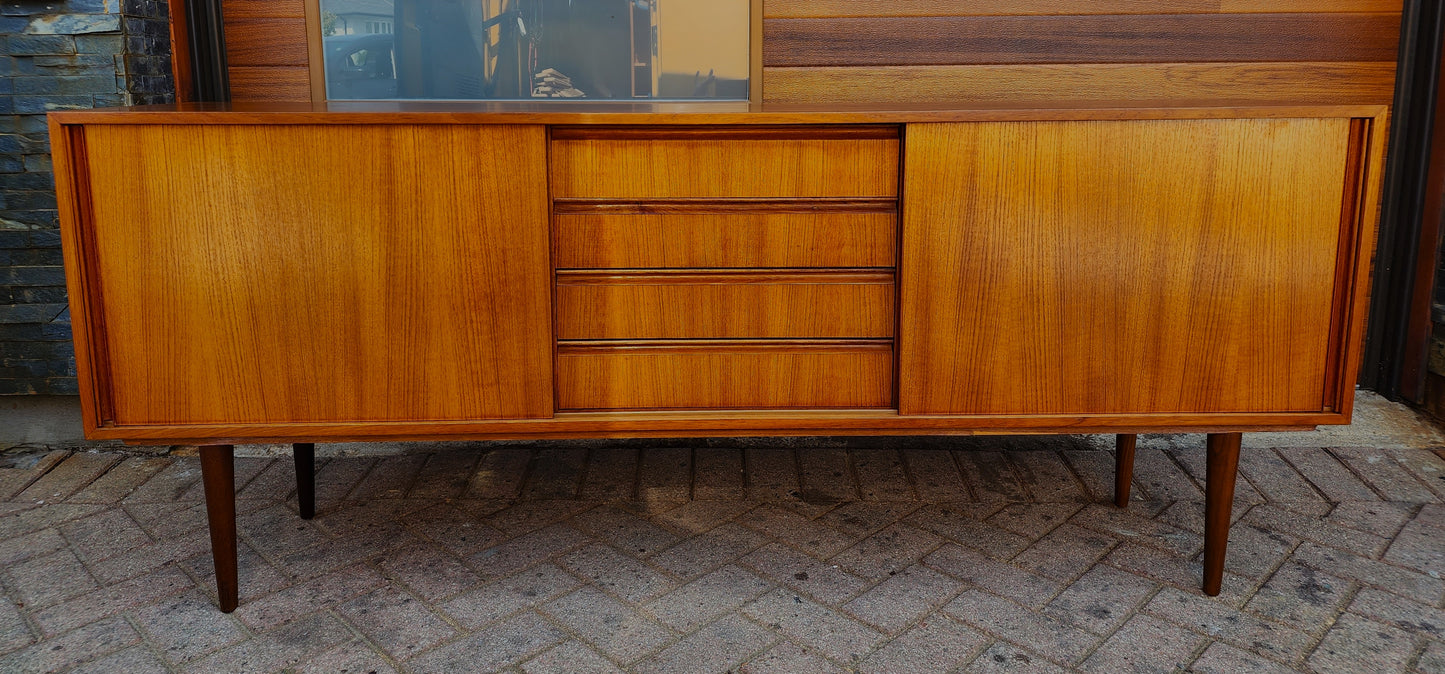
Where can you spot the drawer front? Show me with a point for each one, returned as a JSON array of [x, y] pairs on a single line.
[[720, 163], [660, 237], [716, 305], [721, 375]]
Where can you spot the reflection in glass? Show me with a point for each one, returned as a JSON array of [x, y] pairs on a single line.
[[534, 49]]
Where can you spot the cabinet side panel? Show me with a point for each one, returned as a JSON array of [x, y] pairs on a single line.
[[272, 274], [1119, 267]]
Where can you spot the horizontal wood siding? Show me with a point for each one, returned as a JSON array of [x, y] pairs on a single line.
[[1164, 51], [266, 50]]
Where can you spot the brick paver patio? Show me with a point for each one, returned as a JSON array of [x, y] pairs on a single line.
[[914, 555]]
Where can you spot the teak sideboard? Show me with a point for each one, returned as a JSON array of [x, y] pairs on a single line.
[[303, 275]]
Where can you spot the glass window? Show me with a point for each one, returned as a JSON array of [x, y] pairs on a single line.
[[620, 50]]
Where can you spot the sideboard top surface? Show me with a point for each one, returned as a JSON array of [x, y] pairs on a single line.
[[471, 112]]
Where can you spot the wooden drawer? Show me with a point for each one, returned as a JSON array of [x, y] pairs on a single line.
[[719, 235], [724, 162], [724, 375], [715, 305]]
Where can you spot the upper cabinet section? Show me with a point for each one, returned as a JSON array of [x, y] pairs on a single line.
[[622, 50]]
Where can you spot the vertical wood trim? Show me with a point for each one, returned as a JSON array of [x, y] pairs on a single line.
[[314, 52], [755, 53], [1366, 239], [181, 51], [1350, 222]]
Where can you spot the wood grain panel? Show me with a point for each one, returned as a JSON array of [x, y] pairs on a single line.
[[1367, 82], [265, 84], [258, 274], [1141, 267], [1182, 38], [644, 168], [717, 236], [264, 42], [715, 375], [256, 9], [773, 9], [715, 305]]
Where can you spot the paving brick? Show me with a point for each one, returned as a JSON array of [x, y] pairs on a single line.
[[277, 530], [1315, 529], [278, 649], [498, 599], [862, 518], [1255, 551], [936, 644], [69, 476], [998, 577], [134, 660], [352, 657], [1275, 478], [961, 524], [1096, 470], [814, 626], [571, 657], [1401, 581], [633, 581], [789, 658], [112, 599], [935, 475], [53, 514], [714, 649], [881, 475], [1426, 465], [1144, 645], [299, 600], [1047, 478], [396, 621], [665, 474], [556, 473], [431, 573], [705, 552], [772, 473], [525, 516], [1221, 658], [718, 474], [188, 626], [329, 555], [1385, 475], [1327, 474], [491, 649], [104, 535], [826, 476], [47, 580], [19, 474], [1379, 518], [1002, 658], [1354, 640], [822, 581], [526, 550], [121, 480], [698, 516], [1211, 618], [1101, 599], [1194, 460], [612, 474], [1406, 615], [14, 633], [1419, 545], [446, 474], [625, 530], [989, 476], [148, 558], [609, 626], [276, 481], [887, 552], [64, 652], [706, 598], [336, 479], [1033, 520], [1133, 527], [903, 599], [1432, 661], [167, 520], [1052, 639], [1065, 552], [391, 477], [458, 532], [27, 546], [810, 536]]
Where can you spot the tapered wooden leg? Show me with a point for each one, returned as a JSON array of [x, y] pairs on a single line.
[[218, 473], [1223, 459], [1123, 467], [305, 456]]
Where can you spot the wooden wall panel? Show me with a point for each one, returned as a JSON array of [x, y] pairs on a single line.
[[266, 50], [1165, 51], [1123, 267], [258, 275]]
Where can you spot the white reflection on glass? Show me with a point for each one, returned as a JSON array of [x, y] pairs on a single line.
[[535, 49]]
